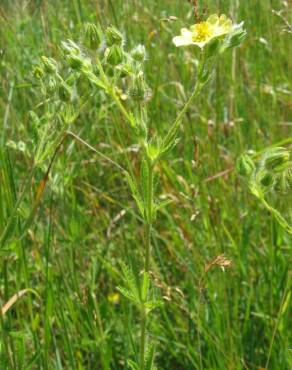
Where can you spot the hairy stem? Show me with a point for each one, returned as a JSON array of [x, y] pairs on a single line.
[[143, 338], [149, 214], [150, 217], [176, 124], [148, 230]]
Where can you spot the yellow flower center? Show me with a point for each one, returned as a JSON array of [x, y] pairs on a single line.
[[202, 32]]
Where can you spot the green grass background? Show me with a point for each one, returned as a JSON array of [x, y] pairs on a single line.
[[72, 251]]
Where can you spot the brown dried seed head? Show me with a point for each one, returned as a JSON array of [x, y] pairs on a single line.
[[220, 261]]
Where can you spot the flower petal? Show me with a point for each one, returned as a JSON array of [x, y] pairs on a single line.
[[185, 32], [213, 19], [182, 41], [222, 19], [201, 44]]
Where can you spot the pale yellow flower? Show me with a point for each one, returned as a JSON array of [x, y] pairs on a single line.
[[202, 33]]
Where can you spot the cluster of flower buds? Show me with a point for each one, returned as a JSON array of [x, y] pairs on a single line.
[[115, 60], [51, 81], [127, 65], [102, 59], [276, 159], [49, 65], [273, 172], [277, 162], [75, 58]]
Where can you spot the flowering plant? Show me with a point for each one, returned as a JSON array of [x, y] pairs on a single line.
[[118, 75]]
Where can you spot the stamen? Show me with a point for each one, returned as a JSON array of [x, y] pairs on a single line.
[[202, 32]]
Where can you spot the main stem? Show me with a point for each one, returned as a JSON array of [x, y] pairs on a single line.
[[149, 218], [148, 229]]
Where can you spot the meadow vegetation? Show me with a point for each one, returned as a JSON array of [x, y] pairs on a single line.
[[90, 242]]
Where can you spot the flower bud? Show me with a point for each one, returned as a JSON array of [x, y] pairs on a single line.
[[70, 47], [276, 158], [234, 39], [266, 178], [51, 85], [113, 36], [139, 53], [38, 72], [75, 62], [283, 183], [93, 35], [64, 92], [245, 165], [125, 70], [114, 55], [138, 90], [50, 65], [78, 63]]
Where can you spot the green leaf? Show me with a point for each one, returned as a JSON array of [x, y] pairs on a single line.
[[127, 293], [159, 206], [170, 141], [135, 193], [133, 365], [145, 286], [149, 358], [131, 282], [234, 39], [145, 185], [151, 305]]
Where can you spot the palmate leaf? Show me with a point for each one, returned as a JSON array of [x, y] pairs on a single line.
[[128, 294], [131, 282]]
